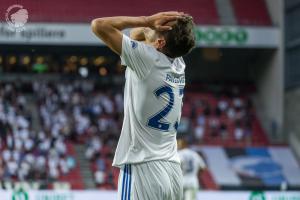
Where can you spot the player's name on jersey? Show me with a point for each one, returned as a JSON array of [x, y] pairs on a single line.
[[172, 79]]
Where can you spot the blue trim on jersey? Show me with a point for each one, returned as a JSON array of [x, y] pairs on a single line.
[[126, 180], [123, 181], [126, 183], [129, 188]]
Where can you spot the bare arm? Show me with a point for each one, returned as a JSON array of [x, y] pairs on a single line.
[[108, 29]]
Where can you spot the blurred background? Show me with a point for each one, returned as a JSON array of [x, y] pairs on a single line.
[[61, 97]]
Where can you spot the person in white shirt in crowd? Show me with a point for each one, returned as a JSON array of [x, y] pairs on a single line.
[[199, 132], [63, 164], [231, 113], [223, 105], [99, 177], [25, 154], [82, 123], [107, 104], [238, 102], [53, 163], [238, 133], [94, 146], [191, 164]]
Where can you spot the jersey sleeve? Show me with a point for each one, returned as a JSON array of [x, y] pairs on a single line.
[[200, 161], [137, 56]]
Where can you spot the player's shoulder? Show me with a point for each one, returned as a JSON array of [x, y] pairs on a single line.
[[134, 45], [191, 151], [148, 51], [184, 151]]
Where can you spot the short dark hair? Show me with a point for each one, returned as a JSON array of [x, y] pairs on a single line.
[[181, 39]]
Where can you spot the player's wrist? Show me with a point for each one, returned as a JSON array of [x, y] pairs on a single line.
[[146, 21]]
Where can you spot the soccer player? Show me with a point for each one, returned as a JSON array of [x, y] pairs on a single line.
[[191, 164], [155, 78]]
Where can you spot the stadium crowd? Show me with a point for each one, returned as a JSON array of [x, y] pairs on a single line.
[[224, 113], [83, 112], [27, 154]]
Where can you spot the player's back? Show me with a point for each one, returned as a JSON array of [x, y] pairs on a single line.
[[152, 104]]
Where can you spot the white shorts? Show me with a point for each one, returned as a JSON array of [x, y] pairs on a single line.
[[154, 180]]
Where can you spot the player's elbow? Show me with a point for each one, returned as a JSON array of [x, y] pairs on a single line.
[[97, 25]]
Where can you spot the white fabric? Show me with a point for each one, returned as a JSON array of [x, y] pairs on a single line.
[[191, 163], [155, 180], [220, 166], [149, 71], [290, 168]]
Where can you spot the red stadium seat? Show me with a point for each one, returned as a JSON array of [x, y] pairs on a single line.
[[252, 12], [203, 11]]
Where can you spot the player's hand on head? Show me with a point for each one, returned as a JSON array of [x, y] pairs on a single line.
[[163, 21]]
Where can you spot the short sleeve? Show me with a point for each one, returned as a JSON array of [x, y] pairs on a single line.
[[137, 56], [200, 161]]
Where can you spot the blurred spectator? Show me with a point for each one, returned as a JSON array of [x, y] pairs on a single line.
[[223, 131], [93, 147], [183, 125], [199, 132], [231, 113], [201, 120], [99, 177], [214, 126], [238, 132], [29, 155], [223, 105]]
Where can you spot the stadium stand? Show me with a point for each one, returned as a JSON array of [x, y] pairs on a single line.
[[25, 153], [223, 116], [204, 11], [93, 119], [252, 12], [85, 11], [80, 112]]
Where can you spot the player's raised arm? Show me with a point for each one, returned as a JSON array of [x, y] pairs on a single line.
[[108, 29]]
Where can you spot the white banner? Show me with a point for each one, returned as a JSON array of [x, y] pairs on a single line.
[[243, 167], [248, 196], [112, 195], [81, 34], [49, 34]]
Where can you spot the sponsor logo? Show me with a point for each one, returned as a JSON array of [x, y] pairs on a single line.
[[257, 195], [16, 17], [259, 167], [134, 44], [53, 196], [24, 195], [20, 195], [221, 36]]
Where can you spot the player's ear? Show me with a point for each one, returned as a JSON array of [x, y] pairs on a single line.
[[160, 42]]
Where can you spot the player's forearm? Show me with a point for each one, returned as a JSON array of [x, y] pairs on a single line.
[[120, 22], [108, 29]]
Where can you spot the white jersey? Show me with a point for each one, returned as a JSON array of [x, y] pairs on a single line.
[[152, 104], [191, 162]]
